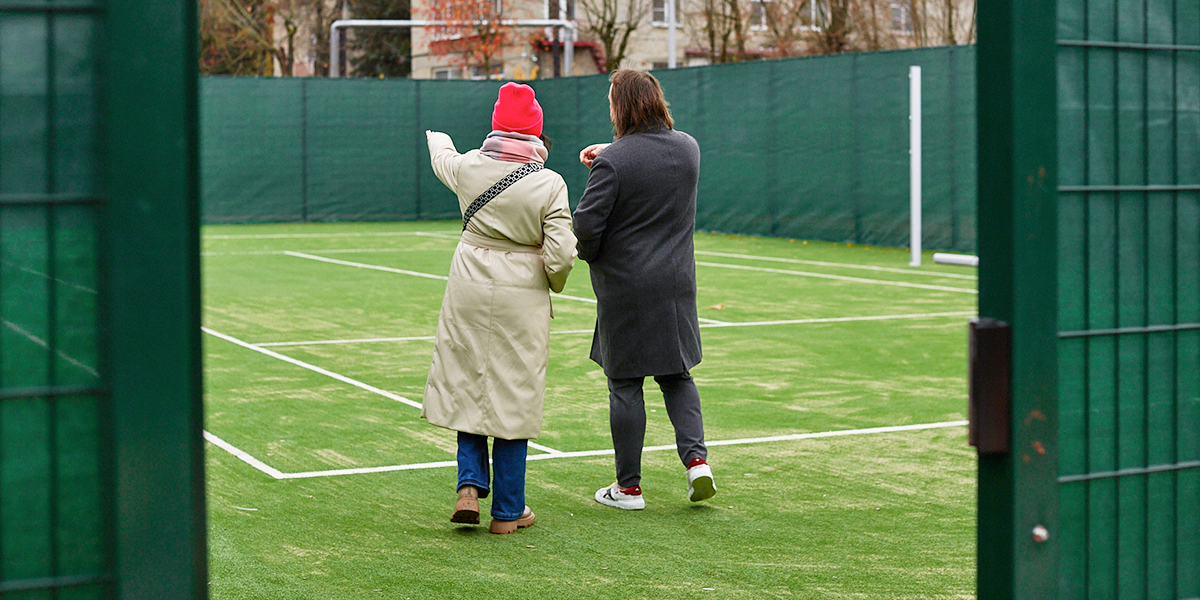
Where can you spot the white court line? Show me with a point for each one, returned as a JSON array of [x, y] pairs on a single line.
[[430, 338], [548, 450], [247, 253], [44, 344], [444, 235], [605, 452], [413, 338], [845, 319], [250, 460], [347, 263], [821, 263], [342, 378], [921, 286], [322, 251], [294, 236], [313, 368]]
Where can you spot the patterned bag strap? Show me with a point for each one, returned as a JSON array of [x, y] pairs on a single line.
[[498, 187]]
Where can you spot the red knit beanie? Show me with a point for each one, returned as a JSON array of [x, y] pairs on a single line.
[[517, 110]]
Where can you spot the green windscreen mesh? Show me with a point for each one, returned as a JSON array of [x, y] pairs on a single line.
[[53, 524], [812, 147], [1129, 298], [332, 150], [252, 149]]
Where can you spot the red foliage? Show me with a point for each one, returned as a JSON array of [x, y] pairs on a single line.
[[473, 34]]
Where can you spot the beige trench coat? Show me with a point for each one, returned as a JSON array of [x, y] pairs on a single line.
[[488, 374]]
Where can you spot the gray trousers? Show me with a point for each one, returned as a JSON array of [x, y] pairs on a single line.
[[627, 418]]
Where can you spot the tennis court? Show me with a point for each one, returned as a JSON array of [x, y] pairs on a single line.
[[834, 397]]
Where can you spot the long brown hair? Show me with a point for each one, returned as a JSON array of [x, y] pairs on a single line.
[[637, 103]]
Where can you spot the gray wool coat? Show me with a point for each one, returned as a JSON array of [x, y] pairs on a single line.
[[634, 225]]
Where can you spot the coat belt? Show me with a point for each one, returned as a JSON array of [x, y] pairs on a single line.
[[483, 241]]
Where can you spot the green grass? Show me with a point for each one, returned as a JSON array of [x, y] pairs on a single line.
[[881, 515]]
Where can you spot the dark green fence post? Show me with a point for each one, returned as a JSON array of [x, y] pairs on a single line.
[[152, 295], [1017, 111]]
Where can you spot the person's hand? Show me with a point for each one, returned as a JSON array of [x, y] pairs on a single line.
[[587, 155]]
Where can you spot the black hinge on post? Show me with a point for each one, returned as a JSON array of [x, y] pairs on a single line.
[[991, 384]]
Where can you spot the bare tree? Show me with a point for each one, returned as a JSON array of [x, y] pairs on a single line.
[[917, 14], [612, 22], [837, 28], [787, 23], [738, 18], [869, 16], [949, 38], [231, 38], [723, 29], [322, 15], [292, 14], [247, 25]]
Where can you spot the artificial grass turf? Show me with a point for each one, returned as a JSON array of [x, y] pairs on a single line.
[[883, 516], [779, 540]]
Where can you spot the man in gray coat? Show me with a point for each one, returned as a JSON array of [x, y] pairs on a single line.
[[634, 225]]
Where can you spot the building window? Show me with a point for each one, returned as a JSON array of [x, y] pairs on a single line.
[[477, 72], [758, 15], [450, 73], [815, 15], [901, 19], [659, 14]]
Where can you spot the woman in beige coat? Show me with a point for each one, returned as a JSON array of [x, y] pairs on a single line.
[[488, 376]]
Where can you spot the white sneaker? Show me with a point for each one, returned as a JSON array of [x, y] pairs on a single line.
[[700, 481], [628, 499]]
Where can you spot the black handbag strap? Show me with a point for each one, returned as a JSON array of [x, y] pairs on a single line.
[[496, 188]]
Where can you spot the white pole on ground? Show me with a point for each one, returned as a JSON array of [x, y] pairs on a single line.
[[914, 140], [965, 260], [670, 6]]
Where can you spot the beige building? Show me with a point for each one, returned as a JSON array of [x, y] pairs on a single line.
[[707, 31]]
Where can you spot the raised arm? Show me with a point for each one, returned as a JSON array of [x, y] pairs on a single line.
[[591, 215], [444, 158]]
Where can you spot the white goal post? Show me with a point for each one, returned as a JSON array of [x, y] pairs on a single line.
[[335, 35]]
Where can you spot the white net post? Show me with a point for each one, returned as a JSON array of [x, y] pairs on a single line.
[[914, 117]]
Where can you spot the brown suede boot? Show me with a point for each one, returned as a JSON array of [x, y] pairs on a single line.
[[466, 510], [521, 522]]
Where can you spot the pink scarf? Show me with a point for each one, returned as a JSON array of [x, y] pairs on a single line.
[[514, 147]]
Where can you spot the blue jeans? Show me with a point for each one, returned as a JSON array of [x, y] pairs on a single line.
[[508, 463]]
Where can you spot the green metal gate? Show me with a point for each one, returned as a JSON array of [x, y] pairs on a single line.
[[1090, 251], [1129, 298], [101, 481]]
